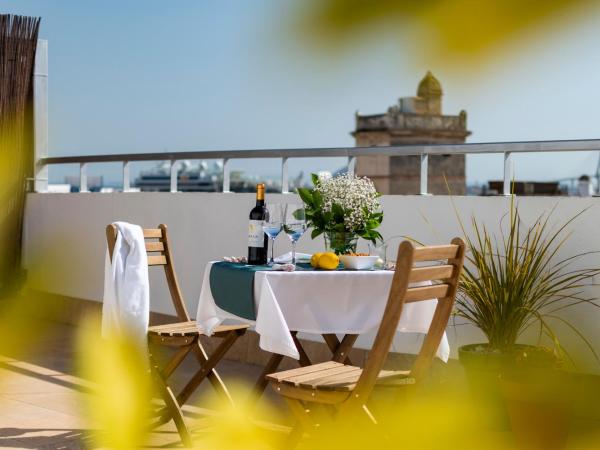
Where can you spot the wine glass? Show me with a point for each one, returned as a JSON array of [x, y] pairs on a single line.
[[379, 249], [294, 225], [273, 224]]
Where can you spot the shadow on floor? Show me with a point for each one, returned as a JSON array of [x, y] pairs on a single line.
[[60, 439]]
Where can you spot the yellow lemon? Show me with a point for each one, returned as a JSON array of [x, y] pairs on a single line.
[[314, 260], [329, 261]]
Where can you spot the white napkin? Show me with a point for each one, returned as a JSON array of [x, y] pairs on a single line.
[[287, 258], [126, 303]]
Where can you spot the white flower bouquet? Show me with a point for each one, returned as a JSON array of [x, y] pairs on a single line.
[[343, 207]]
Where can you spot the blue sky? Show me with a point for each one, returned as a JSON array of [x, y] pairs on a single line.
[[133, 76]]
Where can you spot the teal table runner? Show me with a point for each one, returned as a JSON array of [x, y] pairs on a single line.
[[232, 286]]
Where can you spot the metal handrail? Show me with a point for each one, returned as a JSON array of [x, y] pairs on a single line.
[[505, 148]]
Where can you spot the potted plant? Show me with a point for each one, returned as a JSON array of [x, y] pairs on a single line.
[[510, 284], [517, 282], [342, 208], [537, 396]]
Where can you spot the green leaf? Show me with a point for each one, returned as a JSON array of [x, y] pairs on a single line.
[[369, 235], [299, 214], [315, 179], [372, 223], [316, 232], [306, 196]]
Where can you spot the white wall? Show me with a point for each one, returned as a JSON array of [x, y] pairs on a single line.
[[65, 241]]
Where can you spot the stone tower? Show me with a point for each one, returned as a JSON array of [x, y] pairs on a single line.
[[414, 120]]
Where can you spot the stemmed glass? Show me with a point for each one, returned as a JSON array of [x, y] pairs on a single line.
[[273, 224], [294, 225]]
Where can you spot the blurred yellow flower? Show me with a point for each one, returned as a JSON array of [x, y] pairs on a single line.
[[120, 406], [454, 31]]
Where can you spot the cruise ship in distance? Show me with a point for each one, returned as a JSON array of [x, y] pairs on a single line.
[[205, 176]]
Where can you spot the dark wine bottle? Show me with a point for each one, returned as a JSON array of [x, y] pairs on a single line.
[[257, 239]]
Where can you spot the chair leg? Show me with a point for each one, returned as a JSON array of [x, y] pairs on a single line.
[[167, 370], [369, 415], [213, 375], [301, 413], [352, 415], [293, 438], [207, 369], [175, 361], [341, 349], [262, 382], [304, 359], [323, 415], [171, 402], [271, 367], [309, 419]]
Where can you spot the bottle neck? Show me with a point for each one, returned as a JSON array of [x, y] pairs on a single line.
[[260, 195]]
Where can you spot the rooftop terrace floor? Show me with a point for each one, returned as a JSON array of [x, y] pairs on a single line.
[[41, 399]]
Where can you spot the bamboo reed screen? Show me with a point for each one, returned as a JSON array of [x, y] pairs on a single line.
[[18, 40]]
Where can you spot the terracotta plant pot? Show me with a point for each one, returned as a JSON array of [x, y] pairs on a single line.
[[484, 368], [538, 407]]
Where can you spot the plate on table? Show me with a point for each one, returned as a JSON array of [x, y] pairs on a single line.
[[354, 262]]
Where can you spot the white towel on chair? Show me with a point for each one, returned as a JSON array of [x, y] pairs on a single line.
[[126, 307]]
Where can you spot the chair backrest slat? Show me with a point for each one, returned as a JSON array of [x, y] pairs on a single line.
[[157, 260], [159, 254], [155, 247], [152, 233], [444, 282], [431, 273], [435, 252], [420, 293]]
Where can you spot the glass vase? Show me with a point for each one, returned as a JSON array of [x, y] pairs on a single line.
[[340, 242]]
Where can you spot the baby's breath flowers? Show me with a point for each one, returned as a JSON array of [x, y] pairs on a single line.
[[345, 203], [356, 195]]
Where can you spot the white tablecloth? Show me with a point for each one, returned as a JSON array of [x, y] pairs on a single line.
[[340, 302]]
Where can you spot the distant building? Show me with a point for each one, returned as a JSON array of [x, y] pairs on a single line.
[[56, 188], [94, 182], [414, 120], [541, 188], [205, 176]]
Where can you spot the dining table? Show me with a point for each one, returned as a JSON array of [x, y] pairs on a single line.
[[339, 305]]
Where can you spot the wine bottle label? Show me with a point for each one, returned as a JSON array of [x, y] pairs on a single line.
[[255, 234]]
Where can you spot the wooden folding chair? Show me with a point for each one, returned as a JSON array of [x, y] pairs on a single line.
[[344, 389], [183, 335]]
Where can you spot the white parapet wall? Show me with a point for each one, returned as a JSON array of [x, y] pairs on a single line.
[[64, 245]]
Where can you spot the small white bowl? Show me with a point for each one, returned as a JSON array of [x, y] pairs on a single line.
[[358, 262]]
